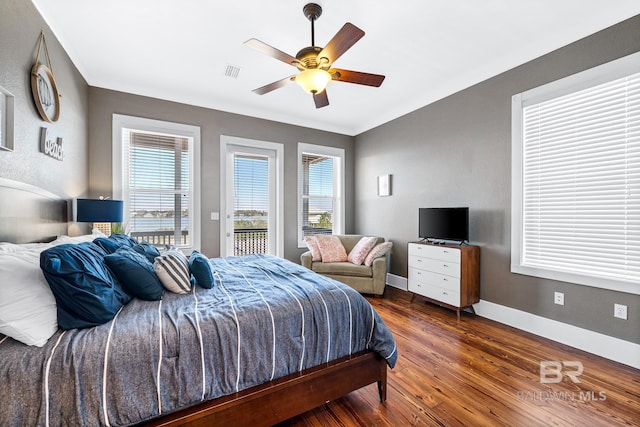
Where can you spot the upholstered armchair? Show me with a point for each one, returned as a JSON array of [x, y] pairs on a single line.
[[364, 279]]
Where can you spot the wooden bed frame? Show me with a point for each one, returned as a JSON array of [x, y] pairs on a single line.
[[286, 397], [30, 214]]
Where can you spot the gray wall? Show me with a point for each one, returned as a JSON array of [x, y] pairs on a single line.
[[457, 152], [20, 26], [453, 152], [104, 103]]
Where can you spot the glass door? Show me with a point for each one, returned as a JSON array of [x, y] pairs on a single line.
[[252, 214]]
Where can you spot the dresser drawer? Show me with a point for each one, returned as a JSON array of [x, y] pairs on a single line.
[[437, 293], [433, 279], [444, 274], [436, 252], [435, 265]]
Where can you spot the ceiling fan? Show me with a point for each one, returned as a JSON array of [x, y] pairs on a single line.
[[315, 62]]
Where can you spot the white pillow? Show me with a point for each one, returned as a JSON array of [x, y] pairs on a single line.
[[6, 247], [172, 268], [79, 239], [27, 305]]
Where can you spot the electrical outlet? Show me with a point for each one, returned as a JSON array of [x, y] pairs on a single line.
[[558, 298], [620, 311]]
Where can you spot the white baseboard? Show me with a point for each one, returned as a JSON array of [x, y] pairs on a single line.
[[602, 345], [397, 281]]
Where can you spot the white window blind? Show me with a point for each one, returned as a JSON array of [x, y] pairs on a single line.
[[157, 186], [251, 204], [317, 196], [581, 184], [251, 182]]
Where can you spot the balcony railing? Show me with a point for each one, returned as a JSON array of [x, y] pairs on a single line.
[[250, 241], [161, 238], [246, 240], [309, 231], [256, 240]]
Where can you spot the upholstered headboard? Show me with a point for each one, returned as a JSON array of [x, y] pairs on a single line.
[[30, 214]]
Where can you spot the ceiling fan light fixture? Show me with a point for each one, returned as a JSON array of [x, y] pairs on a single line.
[[313, 80], [315, 63]]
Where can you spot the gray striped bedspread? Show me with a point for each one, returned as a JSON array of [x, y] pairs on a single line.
[[264, 318]]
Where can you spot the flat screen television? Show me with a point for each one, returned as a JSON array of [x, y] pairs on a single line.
[[444, 224]]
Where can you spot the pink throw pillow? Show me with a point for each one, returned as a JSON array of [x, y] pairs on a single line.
[[377, 251], [361, 250], [312, 244], [331, 248]]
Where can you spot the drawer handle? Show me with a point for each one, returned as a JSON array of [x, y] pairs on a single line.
[[444, 293], [446, 252], [445, 279], [445, 265]]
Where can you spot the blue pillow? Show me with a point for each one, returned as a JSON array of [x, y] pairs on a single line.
[[123, 240], [148, 250], [86, 291], [135, 273], [201, 270], [109, 245]]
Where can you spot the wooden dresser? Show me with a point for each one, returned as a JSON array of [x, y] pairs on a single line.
[[448, 275]]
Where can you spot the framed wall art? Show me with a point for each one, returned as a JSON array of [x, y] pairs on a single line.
[[384, 185], [6, 120]]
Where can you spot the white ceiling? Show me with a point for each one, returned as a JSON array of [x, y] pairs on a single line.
[[428, 49]]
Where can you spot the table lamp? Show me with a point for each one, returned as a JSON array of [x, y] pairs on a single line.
[[101, 212]]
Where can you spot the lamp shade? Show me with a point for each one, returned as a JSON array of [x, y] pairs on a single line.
[[96, 210], [313, 80]]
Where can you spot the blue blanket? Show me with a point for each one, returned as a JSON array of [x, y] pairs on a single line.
[[264, 318]]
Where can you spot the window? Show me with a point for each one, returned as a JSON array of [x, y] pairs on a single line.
[[320, 191], [156, 174], [576, 178]]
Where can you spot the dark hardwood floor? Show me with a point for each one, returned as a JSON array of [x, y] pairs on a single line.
[[478, 372]]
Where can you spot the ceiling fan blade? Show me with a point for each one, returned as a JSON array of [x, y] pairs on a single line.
[[321, 99], [356, 77], [348, 35], [271, 51], [273, 86]]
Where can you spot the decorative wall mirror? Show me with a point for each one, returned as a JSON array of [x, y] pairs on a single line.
[[43, 86]]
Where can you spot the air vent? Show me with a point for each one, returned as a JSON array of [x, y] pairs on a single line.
[[232, 71]]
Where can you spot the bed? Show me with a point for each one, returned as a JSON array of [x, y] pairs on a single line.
[[268, 341]]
